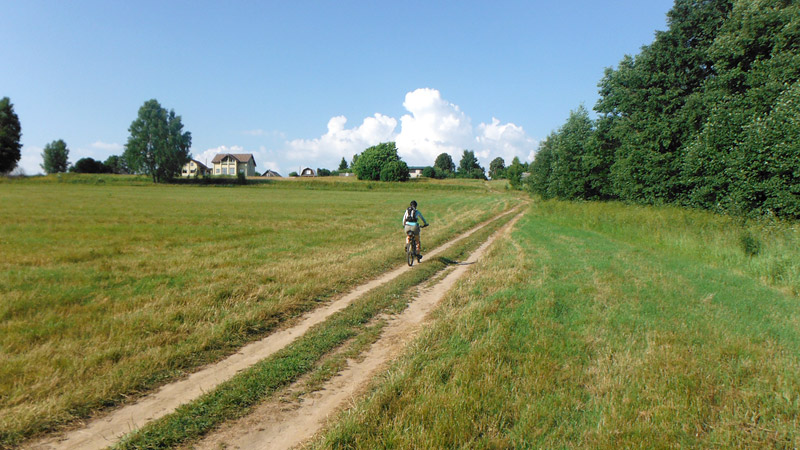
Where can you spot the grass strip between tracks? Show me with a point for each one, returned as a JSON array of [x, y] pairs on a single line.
[[236, 397]]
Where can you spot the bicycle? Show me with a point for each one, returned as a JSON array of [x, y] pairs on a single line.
[[411, 247]]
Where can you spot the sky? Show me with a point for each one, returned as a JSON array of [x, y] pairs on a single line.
[[306, 83]]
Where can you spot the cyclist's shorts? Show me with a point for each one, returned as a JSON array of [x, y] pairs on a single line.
[[414, 228]]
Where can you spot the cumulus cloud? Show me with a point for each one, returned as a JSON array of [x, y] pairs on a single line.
[[340, 141], [434, 126], [504, 140]]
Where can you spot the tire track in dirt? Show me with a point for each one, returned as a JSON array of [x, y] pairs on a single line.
[[278, 425], [102, 432]]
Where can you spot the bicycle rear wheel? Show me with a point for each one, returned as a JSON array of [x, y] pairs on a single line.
[[410, 250]]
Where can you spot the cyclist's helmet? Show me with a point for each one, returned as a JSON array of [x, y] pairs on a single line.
[[414, 204]]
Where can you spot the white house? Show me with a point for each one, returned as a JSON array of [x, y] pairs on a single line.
[[194, 168]]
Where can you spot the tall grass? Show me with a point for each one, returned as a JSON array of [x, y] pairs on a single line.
[[110, 289], [601, 326]]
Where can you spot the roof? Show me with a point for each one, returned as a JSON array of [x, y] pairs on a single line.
[[241, 157], [200, 165]]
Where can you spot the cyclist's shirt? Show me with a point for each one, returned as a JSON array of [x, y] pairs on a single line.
[[413, 224]]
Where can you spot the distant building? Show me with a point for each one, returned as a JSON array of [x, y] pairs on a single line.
[[194, 168], [415, 171], [308, 172], [271, 174], [234, 163]]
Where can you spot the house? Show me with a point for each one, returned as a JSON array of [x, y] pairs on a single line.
[[234, 163], [308, 172], [194, 168], [271, 173], [415, 171]]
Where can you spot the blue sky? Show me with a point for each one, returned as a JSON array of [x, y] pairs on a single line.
[[305, 83]]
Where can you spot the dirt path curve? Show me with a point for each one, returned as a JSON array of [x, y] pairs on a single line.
[[278, 425], [105, 431]]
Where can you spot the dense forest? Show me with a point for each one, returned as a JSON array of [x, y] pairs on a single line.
[[707, 116]]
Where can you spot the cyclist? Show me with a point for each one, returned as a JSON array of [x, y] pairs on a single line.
[[411, 223]]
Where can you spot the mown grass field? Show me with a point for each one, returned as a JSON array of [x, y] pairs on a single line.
[[604, 326], [112, 286]]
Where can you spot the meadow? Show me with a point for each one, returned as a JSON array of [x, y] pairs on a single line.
[[112, 286], [602, 325]]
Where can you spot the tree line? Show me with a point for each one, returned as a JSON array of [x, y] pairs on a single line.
[[158, 147], [706, 116]]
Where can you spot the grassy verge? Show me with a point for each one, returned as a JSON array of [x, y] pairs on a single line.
[[600, 326], [237, 396], [111, 289]]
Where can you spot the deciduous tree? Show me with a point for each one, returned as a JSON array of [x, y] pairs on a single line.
[[55, 157], [10, 135], [157, 145]]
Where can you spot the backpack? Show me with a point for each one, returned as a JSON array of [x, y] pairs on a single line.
[[411, 215]]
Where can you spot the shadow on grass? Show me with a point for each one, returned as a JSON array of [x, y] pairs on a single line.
[[451, 262]]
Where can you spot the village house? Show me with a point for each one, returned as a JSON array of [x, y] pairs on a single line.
[[271, 174], [415, 171], [308, 172], [234, 163], [194, 168]]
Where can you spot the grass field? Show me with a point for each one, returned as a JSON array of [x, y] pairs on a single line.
[[604, 326], [112, 286]]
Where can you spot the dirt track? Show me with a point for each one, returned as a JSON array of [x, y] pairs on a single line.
[[277, 428], [278, 425]]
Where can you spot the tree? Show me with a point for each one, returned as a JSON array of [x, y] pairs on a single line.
[[55, 157], [117, 164], [323, 172], [10, 135], [514, 173], [429, 172], [445, 163], [293, 174], [497, 168], [468, 167], [371, 162], [157, 145], [343, 165], [395, 171], [89, 165]]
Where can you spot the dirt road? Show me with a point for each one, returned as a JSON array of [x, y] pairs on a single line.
[[278, 425], [105, 431]]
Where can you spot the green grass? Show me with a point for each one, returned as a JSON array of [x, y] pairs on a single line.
[[112, 288], [603, 326]]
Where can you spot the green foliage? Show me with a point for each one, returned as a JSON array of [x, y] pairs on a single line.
[[343, 165], [445, 163], [293, 174], [514, 173], [90, 165], [700, 117], [157, 145], [10, 135], [497, 169], [117, 164], [468, 167], [429, 172], [371, 163], [395, 171], [323, 172], [55, 157]]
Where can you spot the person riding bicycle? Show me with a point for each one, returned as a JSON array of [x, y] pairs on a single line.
[[411, 223]]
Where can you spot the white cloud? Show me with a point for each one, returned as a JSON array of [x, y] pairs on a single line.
[[504, 140], [434, 126], [341, 142]]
